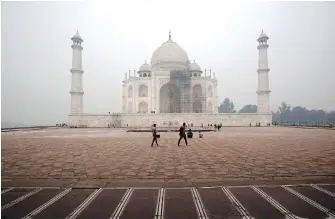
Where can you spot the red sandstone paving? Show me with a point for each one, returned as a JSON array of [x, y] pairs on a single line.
[[104, 157]]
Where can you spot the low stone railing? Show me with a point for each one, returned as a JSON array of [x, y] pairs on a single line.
[[26, 128]]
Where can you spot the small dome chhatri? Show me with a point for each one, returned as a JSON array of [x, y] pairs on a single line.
[[263, 37], [195, 67], [77, 37], [145, 67]]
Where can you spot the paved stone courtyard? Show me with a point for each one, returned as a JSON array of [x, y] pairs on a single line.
[[98, 157]]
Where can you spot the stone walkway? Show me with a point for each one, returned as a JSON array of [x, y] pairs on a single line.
[[103, 156]]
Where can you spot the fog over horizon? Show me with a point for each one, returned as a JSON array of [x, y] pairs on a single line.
[[36, 54]]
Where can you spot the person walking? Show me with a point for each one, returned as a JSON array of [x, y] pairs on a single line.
[[154, 135], [182, 133]]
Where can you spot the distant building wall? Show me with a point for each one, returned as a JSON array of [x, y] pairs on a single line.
[[167, 120]]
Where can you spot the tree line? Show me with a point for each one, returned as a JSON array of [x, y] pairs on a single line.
[[285, 113], [227, 106]]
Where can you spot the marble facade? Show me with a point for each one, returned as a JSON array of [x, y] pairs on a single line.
[[168, 119], [146, 94]]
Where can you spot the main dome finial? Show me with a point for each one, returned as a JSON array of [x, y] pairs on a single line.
[[169, 34]]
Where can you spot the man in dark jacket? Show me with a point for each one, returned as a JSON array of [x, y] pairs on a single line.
[[182, 133], [154, 135]]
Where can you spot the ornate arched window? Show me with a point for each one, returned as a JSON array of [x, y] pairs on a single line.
[[130, 107], [143, 107], [210, 91], [197, 91], [130, 91], [143, 91]]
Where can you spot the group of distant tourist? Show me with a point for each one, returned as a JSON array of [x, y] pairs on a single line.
[[316, 125], [61, 125], [216, 126], [258, 124]]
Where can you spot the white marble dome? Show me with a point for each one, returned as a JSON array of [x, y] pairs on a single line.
[[168, 55], [194, 67], [145, 67]]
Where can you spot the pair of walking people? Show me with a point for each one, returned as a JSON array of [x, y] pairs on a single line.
[[182, 134]]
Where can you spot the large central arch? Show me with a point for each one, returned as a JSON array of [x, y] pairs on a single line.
[[169, 99]]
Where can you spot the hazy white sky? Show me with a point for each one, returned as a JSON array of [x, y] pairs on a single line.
[[118, 35]]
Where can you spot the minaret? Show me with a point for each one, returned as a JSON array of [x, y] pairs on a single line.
[[77, 73], [263, 91]]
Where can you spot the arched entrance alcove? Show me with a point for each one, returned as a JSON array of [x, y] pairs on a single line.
[[197, 98], [210, 91], [143, 107], [210, 107], [169, 99], [197, 107], [130, 91], [130, 107], [143, 91], [197, 91]]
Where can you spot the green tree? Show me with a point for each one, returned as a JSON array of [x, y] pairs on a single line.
[[331, 117], [284, 108], [250, 108], [275, 117], [301, 115], [297, 115], [227, 106]]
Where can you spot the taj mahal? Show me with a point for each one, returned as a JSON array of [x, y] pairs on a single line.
[[167, 91]]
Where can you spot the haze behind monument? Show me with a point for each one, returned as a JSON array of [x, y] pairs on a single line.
[[36, 52]]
